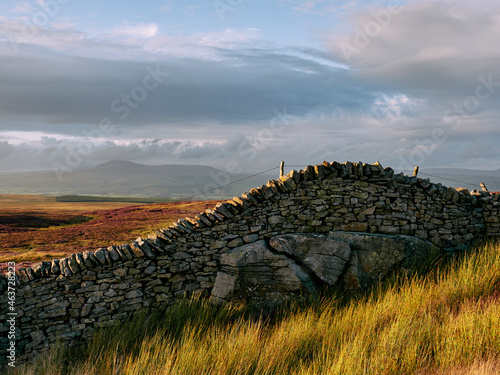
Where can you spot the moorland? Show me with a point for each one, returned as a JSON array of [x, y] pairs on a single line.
[[35, 228]]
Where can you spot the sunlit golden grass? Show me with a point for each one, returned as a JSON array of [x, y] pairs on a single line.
[[442, 323]]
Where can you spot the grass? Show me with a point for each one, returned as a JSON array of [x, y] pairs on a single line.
[[443, 322]]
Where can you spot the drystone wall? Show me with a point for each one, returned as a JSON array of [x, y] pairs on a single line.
[[70, 298], [267, 274]]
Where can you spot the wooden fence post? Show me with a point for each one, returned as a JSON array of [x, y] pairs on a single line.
[[483, 186], [282, 169], [415, 171]]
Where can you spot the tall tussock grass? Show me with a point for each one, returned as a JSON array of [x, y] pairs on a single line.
[[441, 322]]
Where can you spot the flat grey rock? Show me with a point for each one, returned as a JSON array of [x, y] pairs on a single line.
[[375, 255], [253, 272], [325, 257]]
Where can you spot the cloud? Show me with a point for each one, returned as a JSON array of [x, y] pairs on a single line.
[[435, 65], [246, 83], [49, 141], [23, 7], [423, 46], [141, 30], [5, 149], [213, 98], [167, 6], [308, 6]]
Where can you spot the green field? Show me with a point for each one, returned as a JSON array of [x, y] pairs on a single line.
[[445, 321]]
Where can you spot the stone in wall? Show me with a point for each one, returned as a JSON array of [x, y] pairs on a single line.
[[373, 256], [253, 272], [293, 264], [324, 257]]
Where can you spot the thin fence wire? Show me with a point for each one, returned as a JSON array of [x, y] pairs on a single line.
[[450, 179], [230, 183], [305, 165], [440, 177]]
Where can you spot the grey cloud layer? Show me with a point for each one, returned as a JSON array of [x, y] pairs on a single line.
[[399, 88], [247, 86], [426, 48]]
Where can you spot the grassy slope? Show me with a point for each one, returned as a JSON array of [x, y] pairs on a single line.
[[447, 322]]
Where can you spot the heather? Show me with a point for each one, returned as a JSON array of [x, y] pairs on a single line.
[[30, 235]]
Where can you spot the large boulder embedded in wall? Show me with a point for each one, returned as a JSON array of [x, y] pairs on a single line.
[[253, 272], [297, 264], [373, 256], [325, 258]]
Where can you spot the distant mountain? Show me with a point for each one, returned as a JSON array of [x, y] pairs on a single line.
[[461, 177], [125, 178]]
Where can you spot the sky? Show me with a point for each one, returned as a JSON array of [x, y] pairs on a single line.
[[243, 84]]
